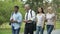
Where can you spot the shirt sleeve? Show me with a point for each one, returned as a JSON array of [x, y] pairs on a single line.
[[19, 18], [33, 15]]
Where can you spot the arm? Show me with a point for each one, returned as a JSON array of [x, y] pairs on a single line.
[[54, 22], [11, 17], [19, 18], [36, 19], [43, 22]]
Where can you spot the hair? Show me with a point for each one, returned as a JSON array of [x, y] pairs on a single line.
[[16, 7], [27, 5], [41, 9], [49, 7]]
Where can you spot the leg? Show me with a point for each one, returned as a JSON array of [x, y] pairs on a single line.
[[26, 29], [17, 31], [49, 28], [42, 30], [31, 32], [37, 30], [30, 28], [13, 30]]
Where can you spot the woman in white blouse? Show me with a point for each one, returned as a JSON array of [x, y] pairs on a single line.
[[50, 17], [40, 21]]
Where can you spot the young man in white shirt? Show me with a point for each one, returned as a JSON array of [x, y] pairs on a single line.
[[15, 20], [29, 17]]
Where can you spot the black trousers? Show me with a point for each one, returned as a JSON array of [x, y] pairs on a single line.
[[28, 28]]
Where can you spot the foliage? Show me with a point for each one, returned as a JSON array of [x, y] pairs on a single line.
[[34, 4], [6, 9], [7, 6]]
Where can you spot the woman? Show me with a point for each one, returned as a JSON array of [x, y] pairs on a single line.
[[40, 21], [50, 17]]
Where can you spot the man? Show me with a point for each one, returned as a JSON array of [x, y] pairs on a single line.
[[29, 17], [15, 20]]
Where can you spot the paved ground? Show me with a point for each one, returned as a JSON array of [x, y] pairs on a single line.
[[53, 32]]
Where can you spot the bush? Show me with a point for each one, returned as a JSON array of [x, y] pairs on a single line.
[[6, 8]]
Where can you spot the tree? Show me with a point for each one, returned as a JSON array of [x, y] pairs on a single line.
[[34, 3], [6, 8], [55, 4]]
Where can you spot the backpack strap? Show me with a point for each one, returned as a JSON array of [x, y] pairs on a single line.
[[31, 13]]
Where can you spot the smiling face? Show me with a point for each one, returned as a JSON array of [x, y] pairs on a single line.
[[39, 10], [49, 10]]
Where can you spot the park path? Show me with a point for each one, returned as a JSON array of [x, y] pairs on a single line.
[[53, 32]]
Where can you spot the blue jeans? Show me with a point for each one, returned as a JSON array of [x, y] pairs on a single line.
[[39, 29], [15, 31], [49, 28]]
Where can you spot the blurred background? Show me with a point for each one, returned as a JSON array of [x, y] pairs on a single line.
[[7, 6]]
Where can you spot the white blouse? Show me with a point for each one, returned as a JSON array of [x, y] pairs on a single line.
[[50, 18], [40, 19]]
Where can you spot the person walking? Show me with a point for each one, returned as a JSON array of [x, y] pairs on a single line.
[[51, 20], [40, 21], [16, 20], [29, 18]]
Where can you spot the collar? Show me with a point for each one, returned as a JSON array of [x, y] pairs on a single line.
[[29, 10], [15, 13]]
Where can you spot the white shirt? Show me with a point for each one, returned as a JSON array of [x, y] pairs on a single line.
[[16, 16], [29, 15], [50, 18], [40, 19]]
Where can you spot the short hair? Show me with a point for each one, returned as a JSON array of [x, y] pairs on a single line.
[[16, 7], [27, 5]]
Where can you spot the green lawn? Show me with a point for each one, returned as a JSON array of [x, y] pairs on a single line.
[[8, 30]]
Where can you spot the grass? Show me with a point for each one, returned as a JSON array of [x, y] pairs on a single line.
[[8, 30], [57, 25]]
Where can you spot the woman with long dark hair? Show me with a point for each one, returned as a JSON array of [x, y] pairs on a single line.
[[40, 21]]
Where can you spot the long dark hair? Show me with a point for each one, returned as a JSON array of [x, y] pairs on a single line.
[[41, 9]]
